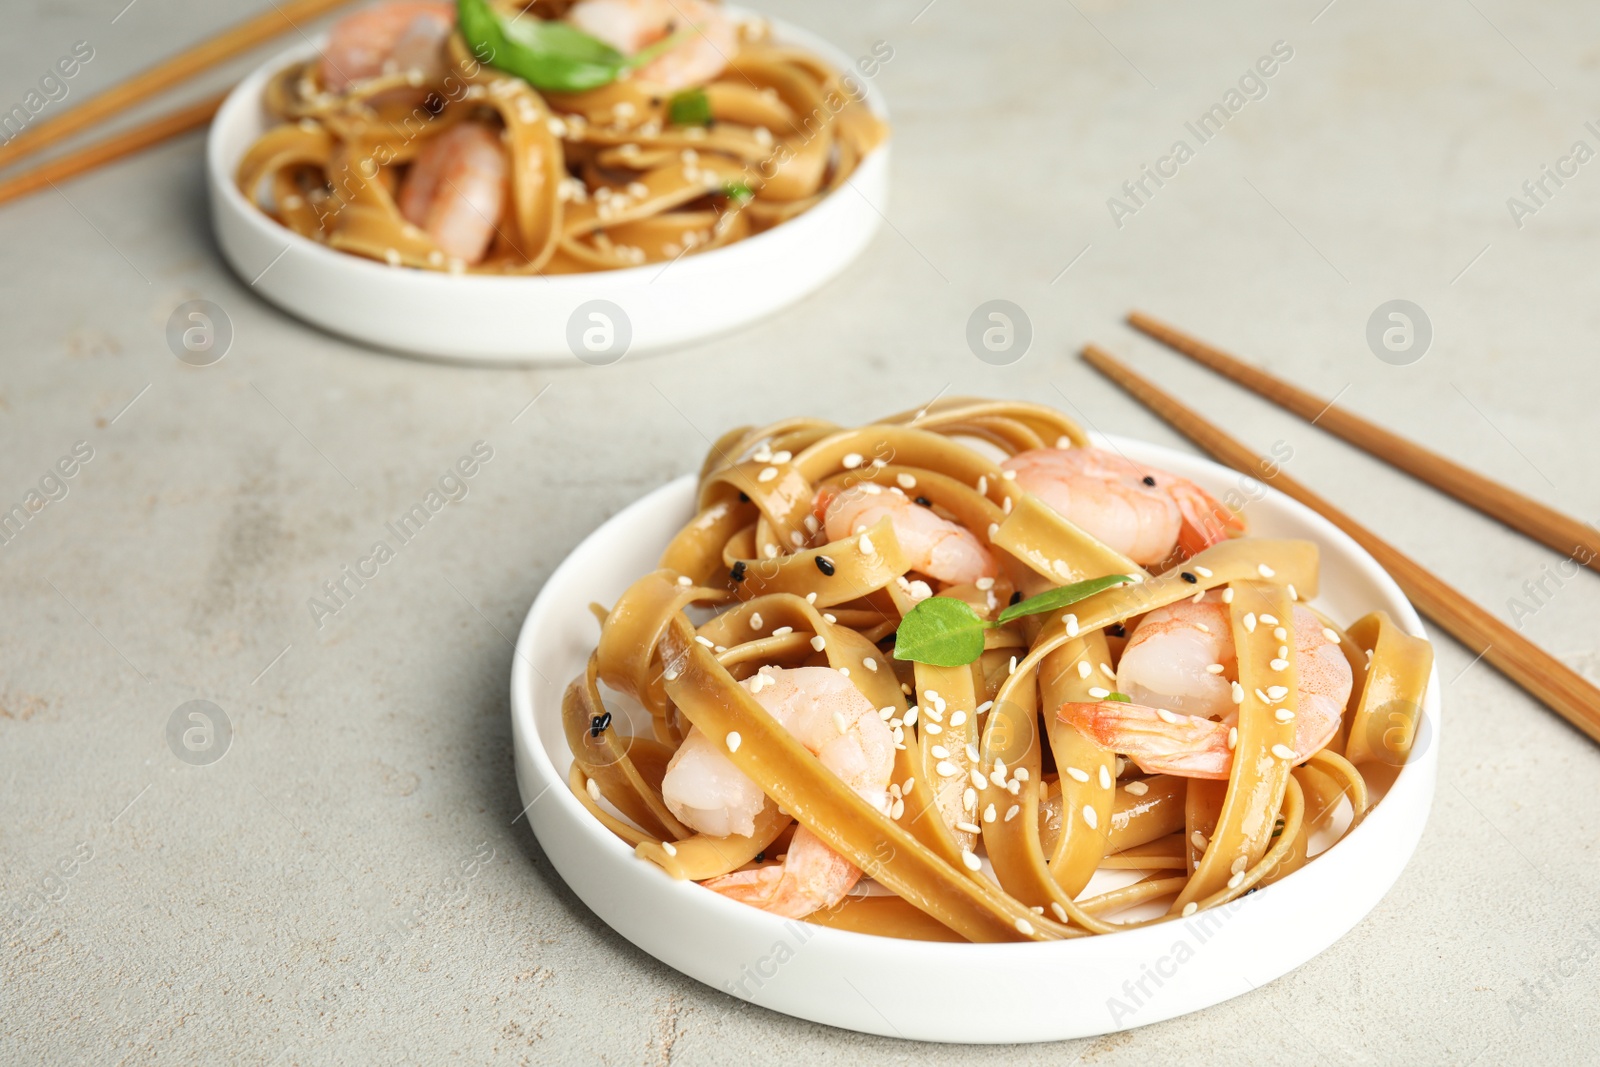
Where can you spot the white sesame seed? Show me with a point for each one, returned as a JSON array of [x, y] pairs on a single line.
[[1233, 738], [733, 740], [940, 752], [864, 543], [796, 538], [1262, 696], [1283, 715], [1201, 595], [911, 717], [1238, 693], [845, 671], [869, 663], [1283, 651], [684, 579], [978, 780], [1293, 593], [886, 713], [671, 676], [1234, 879], [1202, 627], [906, 481], [994, 530], [852, 461], [946, 769], [1279, 664], [1058, 910], [1012, 669], [593, 788], [1083, 668], [1105, 777], [1105, 669], [839, 723], [1199, 841], [1136, 789], [1281, 634], [898, 809], [969, 827], [755, 621], [1090, 819], [1204, 572], [1024, 927], [1071, 623], [1214, 668], [704, 640], [1249, 622], [969, 800], [1011, 812], [783, 631], [1020, 774], [1265, 571], [971, 860], [985, 706], [1166, 716], [1077, 775], [1270, 620], [771, 552], [958, 717], [1227, 596], [669, 848], [1331, 635], [767, 474], [983, 485], [1276, 693], [819, 642], [1283, 751], [1099, 692], [988, 813], [1190, 908]]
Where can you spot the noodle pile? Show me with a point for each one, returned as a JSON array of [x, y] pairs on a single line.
[[599, 180], [750, 550]]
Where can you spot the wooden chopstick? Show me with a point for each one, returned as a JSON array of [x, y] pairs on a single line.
[[112, 148], [163, 76], [1544, 524], [1562, 689]]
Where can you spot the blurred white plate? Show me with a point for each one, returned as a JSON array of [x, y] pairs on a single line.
[[525, 320], [939, 991]]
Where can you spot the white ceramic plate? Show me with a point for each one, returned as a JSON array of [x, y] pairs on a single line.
[[939, 991], [525, 320]]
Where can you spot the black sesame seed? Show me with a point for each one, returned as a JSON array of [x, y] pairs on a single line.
[[1016, 598], [655, 101], [744, 498], [737, 573], [760, 856], [924, 501], [1116, 629], [825, 565], [598, 724], [1191, 579], [1149, 480]]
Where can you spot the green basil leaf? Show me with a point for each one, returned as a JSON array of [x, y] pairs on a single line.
[[1120, 698], [942, 631], [1060, 598], [738, 191], [553, 56], [691, 107]]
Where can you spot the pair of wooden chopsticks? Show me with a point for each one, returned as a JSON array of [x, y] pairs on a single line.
[[1559, 687], [138, 89]]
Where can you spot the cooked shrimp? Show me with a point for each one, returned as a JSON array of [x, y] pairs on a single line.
[[934, 545], [1139, 511], [829, 716], [395, 36], [456, 190], [630, 26], [1179, 669]]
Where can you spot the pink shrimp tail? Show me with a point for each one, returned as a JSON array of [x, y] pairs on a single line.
[[1185, 745], [1206, 520], [817, 878]]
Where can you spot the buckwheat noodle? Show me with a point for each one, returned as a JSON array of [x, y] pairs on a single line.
[[682, 637], [599, 180]]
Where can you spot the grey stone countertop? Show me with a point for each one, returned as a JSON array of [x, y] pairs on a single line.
[[226, 913]]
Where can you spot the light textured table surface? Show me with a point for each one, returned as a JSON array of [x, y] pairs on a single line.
[[230, 912]]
